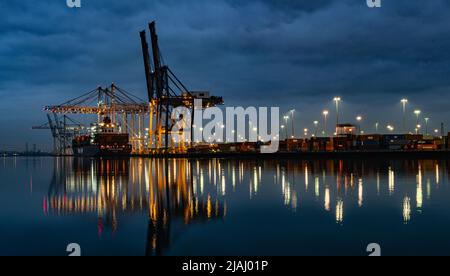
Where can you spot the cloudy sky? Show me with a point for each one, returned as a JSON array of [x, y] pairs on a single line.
[[288, 53]]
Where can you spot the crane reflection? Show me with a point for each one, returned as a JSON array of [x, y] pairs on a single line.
[[162, 188]]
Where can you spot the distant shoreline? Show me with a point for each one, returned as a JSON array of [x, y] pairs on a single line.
[[441, 154], [312, 155]]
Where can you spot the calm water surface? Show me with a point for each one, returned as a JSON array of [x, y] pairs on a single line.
[[223, 207]]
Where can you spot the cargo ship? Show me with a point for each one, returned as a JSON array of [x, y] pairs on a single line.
[[105, 140]]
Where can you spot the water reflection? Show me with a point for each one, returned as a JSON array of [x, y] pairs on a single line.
[[166, 189], [406, 209], [197, 191]]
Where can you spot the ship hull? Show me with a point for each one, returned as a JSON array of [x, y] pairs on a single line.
[[105, 143], [96, 151]]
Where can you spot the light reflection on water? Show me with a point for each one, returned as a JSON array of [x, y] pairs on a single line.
[[202, 207]]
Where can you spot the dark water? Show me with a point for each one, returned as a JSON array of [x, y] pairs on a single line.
[[223, 207]]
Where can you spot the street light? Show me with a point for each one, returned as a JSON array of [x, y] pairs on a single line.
[[436, 131], [293, 122], [325, 121], [316, 124], [359, 119], [426, 125], [286, 118], [404, 102], [417, 113], [376, 127], [337, 100]]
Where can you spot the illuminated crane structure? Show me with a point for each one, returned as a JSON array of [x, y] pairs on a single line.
[[126, 111], [166, 92], [63, 129], [131, 115]]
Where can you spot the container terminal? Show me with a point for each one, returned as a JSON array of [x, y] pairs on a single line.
[[126, 125]]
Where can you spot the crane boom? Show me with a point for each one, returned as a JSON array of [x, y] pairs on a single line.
[[156, 59], [52, 126], [147, 66]]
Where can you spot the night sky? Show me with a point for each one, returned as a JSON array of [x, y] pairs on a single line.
[[293, 54]]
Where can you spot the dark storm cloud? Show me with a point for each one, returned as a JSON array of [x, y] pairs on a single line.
[[261, 52], [288, 6]]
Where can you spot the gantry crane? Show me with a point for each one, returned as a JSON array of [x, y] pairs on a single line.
[[166, 92], [63, 129], [125, 110]]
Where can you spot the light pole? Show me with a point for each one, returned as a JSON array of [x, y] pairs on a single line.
[[337, 100], [376, 127], [283, 127], [325, 121], [286, 118], [359, 119], [293, 122], [404, 102], [316, 124], [426, 125], [417, 113]]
